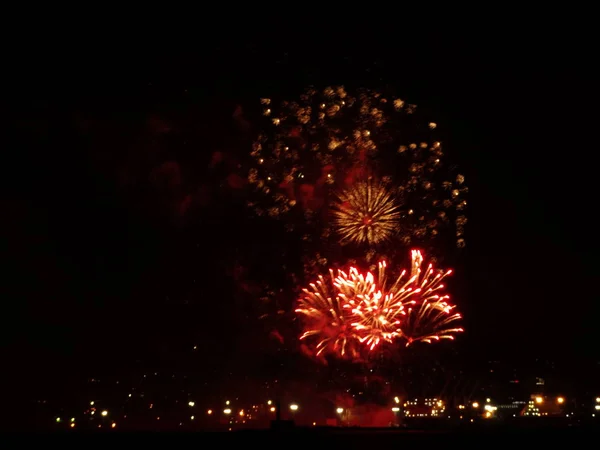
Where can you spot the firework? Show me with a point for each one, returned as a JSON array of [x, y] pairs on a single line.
[[375, 315], [366, 213], [331, 141], [429, 315], [328, 316], [412, 307], [359, 312]]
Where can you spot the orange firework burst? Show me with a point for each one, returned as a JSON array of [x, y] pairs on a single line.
[[353, 311], [327, 316], [429, 315], [366, 213], [375, 315]]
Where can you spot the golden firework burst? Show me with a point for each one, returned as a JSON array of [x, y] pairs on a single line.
[[366, 213]]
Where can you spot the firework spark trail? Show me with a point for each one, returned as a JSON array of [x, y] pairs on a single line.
[[438, 315], [352, 308]]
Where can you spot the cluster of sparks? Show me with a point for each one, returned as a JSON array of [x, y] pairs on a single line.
[[351, 313], [331, 141]]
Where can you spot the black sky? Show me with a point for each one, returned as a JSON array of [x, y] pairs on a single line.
[[89, 276]]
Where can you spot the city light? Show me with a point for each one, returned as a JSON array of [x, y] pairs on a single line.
[[489, 411], [257, 413]]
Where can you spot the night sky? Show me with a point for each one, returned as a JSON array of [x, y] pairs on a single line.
[[96, 278]]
